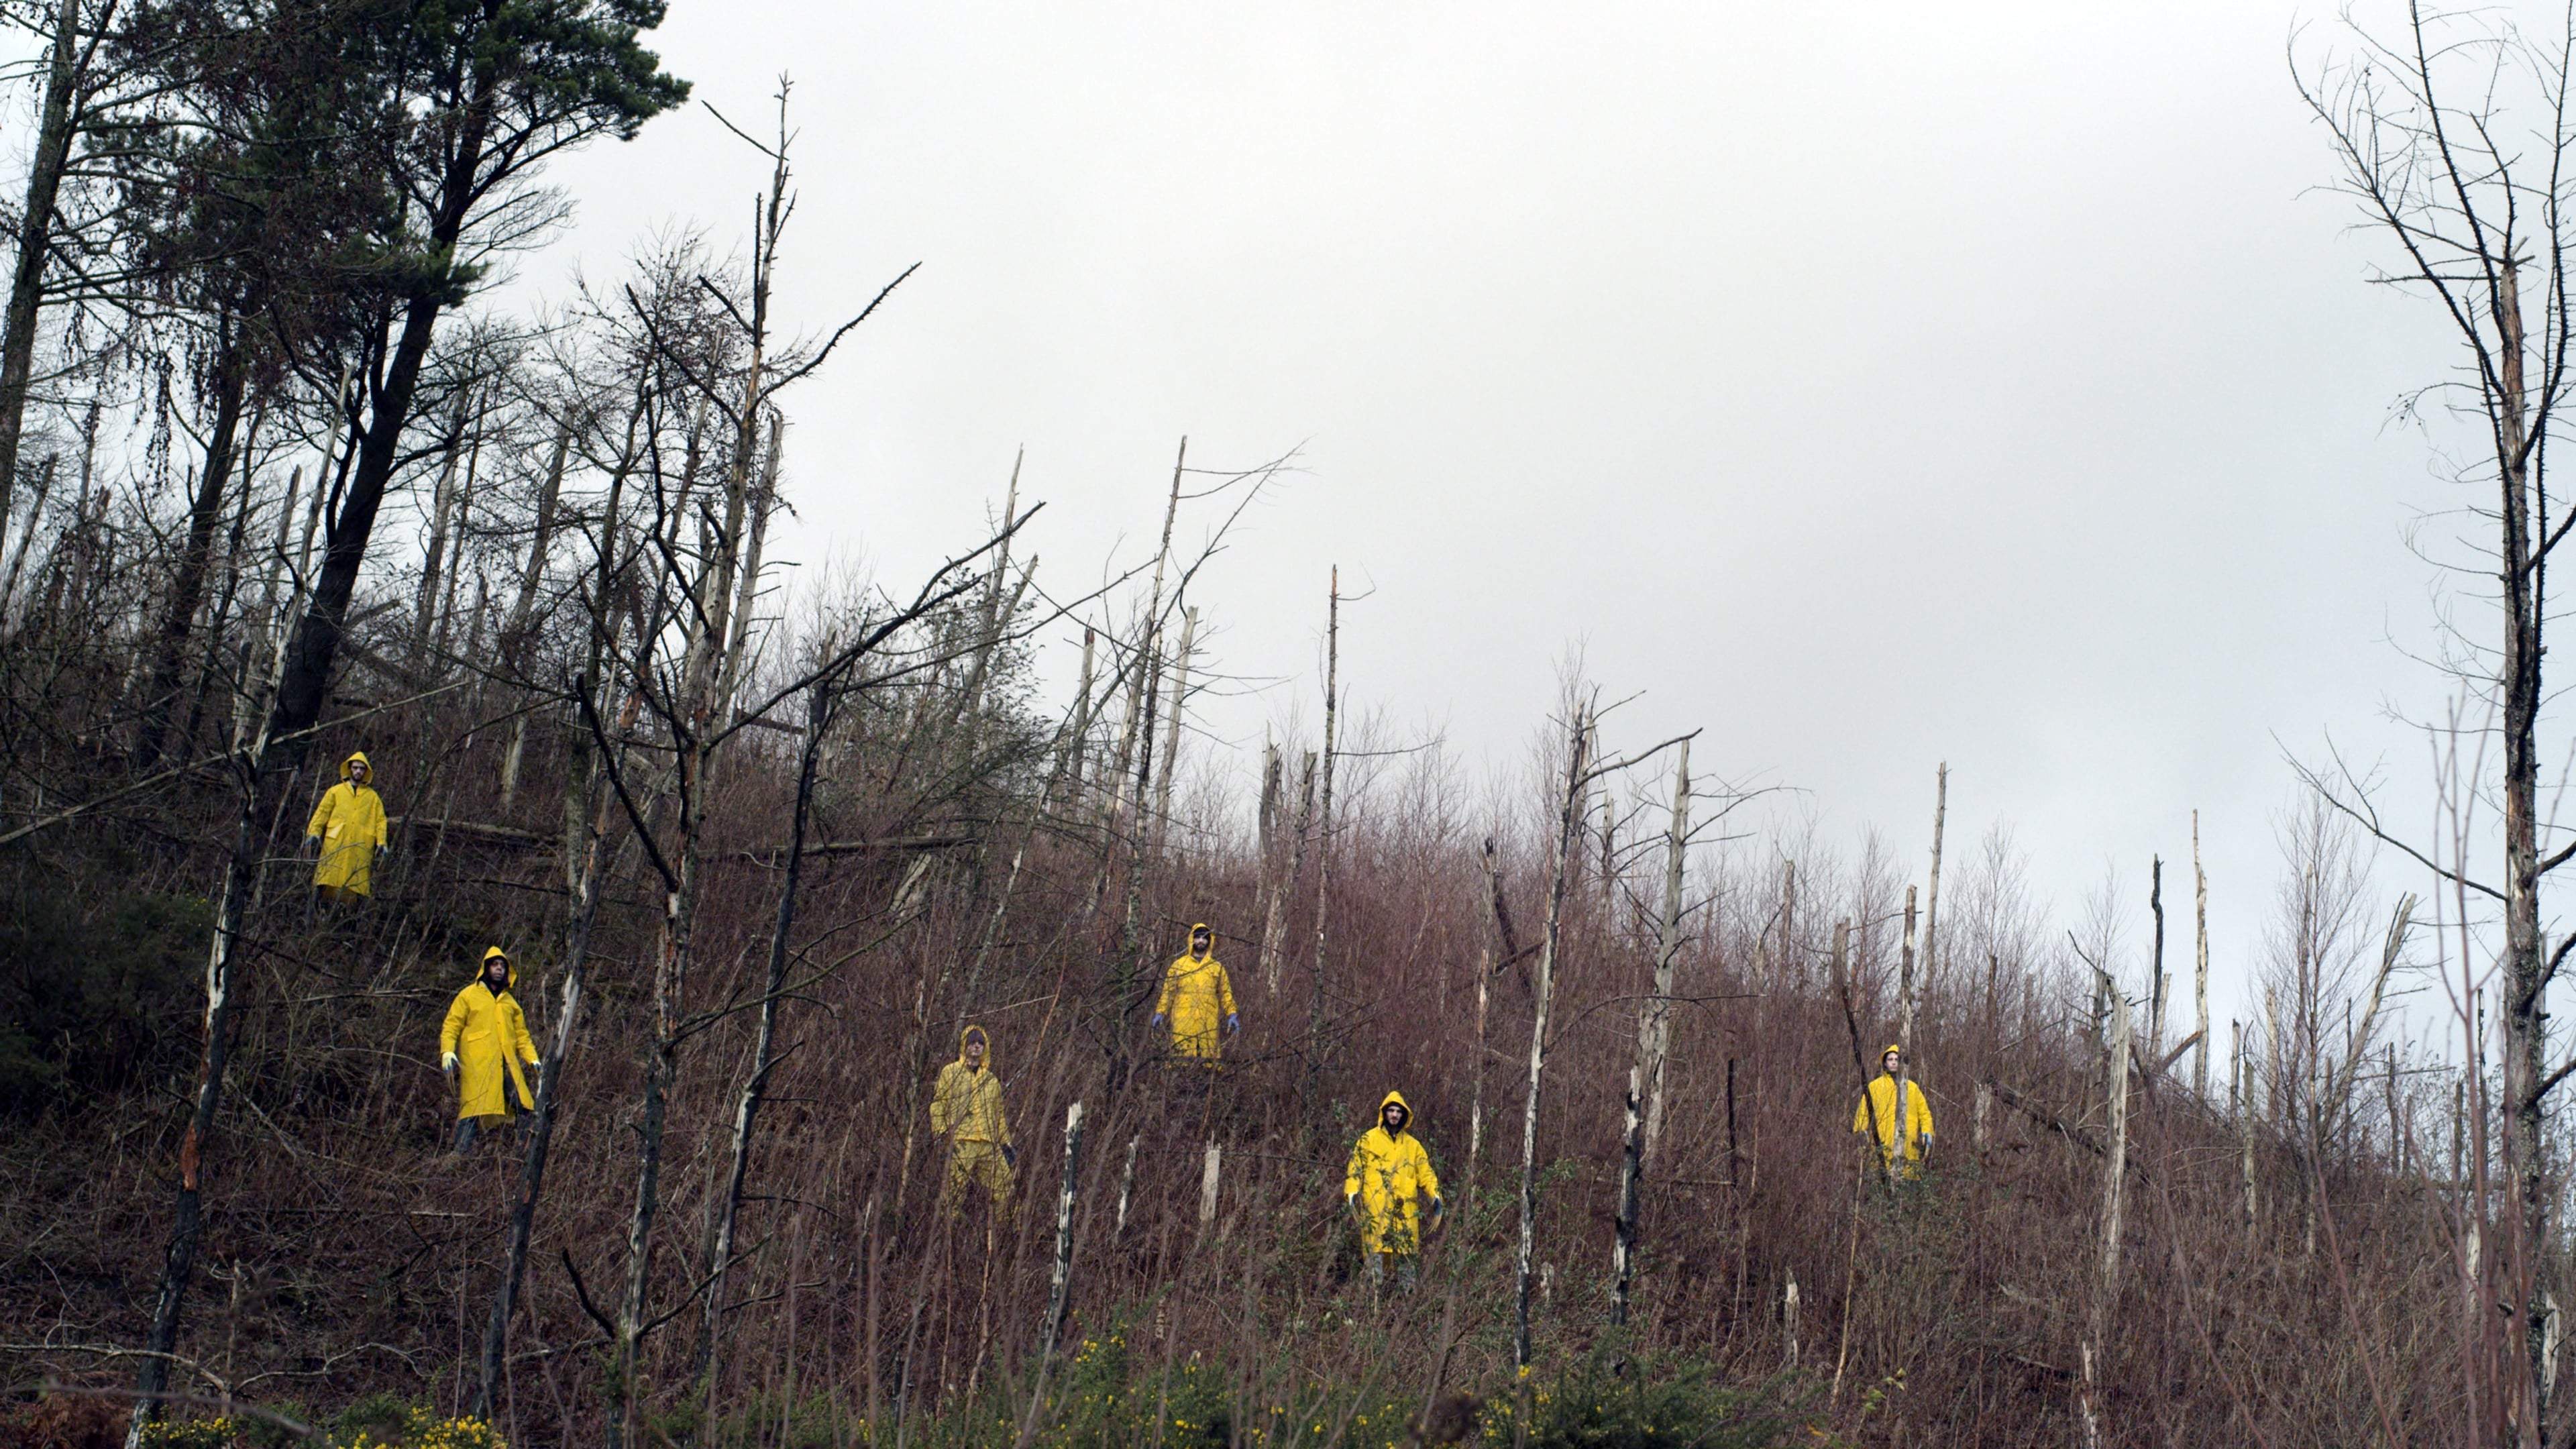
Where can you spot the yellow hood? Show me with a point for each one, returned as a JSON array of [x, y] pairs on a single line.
[[486, 964], [986, 1037], [1189, 946], [1398, 1099], [359, 757], [1883, 1051]]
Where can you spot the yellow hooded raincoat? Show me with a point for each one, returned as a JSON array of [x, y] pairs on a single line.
[[1389, 1172], [1882, 1102], [489, 1036], [350, 824], [966, 1108], [1197, 998]]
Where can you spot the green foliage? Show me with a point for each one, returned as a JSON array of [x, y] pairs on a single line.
[[1106, 1396], [87, 986], [1677, 1406], [817, 1421], [374, 1423]]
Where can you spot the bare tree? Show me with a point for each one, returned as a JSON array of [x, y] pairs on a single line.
[[2453, 134]]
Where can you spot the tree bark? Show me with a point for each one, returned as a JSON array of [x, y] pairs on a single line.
[[2200, 962], [818, 718], [1654, 1041], [54, 126], [188, 582], [1569, 828], [1932, 889], [1324, 825], [1274, 926]]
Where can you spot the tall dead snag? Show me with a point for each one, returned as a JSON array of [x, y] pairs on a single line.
[[1274, 924], [2115, 1164], [1172, 737], [586, 845], [1932, 888], [1130, 982], [690, 710], [1060, 1281], [1569, 825], [2453, 138], [1488, 961], [1654, 1042], [820, 697], [2156, 967], [2200, 962], [1905, 988], [1324, 820]]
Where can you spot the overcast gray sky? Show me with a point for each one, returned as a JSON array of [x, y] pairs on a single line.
[[1873, 384]]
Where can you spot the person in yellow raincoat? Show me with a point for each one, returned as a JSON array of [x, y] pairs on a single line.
[[481, 1046], [1388, 1174], [1196, 998], [966, 1108], [348, 833], [1904, 1150]]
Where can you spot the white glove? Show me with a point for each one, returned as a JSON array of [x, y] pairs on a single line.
[[447, 1064]]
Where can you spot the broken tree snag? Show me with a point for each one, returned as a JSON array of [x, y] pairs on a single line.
[[1488, 958], [1060, 1282], [1932, 889], [1324, 821], [2156, 980], [2106, 1290], [1569, 825], [1172, 740], [1274, 926], [1654, 1037], [2240, 1086], [2200, 966], [1905, 997]]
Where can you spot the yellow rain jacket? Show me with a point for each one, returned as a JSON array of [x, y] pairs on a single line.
[[350, 823], [966, 1103], [966, 1108], [1882, 1102], [489, 1035], [1196, 1000], [1388, 1171]]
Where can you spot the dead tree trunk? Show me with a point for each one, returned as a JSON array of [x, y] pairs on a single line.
[[1172, 739], [696, 732], [1654, 1040], [586, 845], [2115, 1163], [720, 1243], [54, 125], [1274, 927], [1932, 889], [1060, 1281], [1905, 990], [2200, 963], [1324, 823], [1489, 959], [1569, 826], [2156, 969]]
